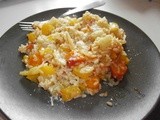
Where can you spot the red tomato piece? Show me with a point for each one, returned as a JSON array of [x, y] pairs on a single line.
[[75, 60]]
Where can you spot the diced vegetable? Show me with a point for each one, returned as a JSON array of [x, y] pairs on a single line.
[[32, 74], [35, 59], [119, 66], [93, 83], [31, 37], [82, 86], [84, 72], [69, 55], [47, 50], [48, 70], [70, 92], [33, 77], [75, 60], [66, 49], [31, 71], [118, 70], [47, 29]]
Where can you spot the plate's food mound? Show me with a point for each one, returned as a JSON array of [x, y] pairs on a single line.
[[70, 57]]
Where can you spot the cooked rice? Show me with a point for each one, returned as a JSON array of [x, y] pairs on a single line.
[[70, 57]]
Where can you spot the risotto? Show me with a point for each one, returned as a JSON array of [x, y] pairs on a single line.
[[70, 57]]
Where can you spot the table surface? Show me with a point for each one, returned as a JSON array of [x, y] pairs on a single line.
[[143, 13]]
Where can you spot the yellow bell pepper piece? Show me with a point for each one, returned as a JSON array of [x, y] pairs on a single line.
[[84, 72], [47, 50], [33, 77], [47, 29], [82, 86], [48, 70], [31, 37], [70, 92]]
